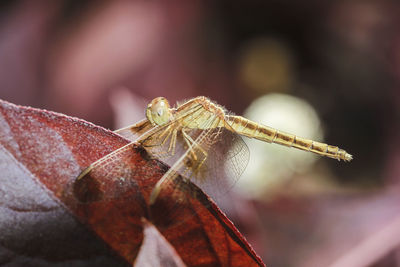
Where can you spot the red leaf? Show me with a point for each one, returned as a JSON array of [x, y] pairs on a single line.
[[44, 151]]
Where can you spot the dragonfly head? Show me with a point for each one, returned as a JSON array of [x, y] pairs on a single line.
[[158, 112]]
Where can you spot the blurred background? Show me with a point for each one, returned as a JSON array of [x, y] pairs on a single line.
[[327, 70]]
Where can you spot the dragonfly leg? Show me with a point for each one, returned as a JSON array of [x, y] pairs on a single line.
[[167, 130], [190, 143], [172, 144], [194, 143]]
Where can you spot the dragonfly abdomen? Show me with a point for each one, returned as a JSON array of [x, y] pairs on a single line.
[[251, 129], [264, 133], [321, 148]]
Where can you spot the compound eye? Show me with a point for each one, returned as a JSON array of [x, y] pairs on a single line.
[[158, 111], [161, 107]]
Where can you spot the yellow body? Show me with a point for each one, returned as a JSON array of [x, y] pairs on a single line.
[[211, 115]]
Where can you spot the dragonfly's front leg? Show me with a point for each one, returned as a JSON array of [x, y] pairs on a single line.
[[190, 143], [166, 132], [172, 144]]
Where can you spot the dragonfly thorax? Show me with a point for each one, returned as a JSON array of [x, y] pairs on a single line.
[[158, 111]]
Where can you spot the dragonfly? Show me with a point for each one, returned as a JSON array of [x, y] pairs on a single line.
[[200, 140]]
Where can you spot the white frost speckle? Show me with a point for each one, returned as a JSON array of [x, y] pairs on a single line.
[[6, 136], [18, 190]]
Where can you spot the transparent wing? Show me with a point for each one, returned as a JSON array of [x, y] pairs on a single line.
[[214, 160], [228, 156], [214, 172], [133, 132]]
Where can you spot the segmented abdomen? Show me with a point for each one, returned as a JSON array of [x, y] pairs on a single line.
[[261, 132]]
